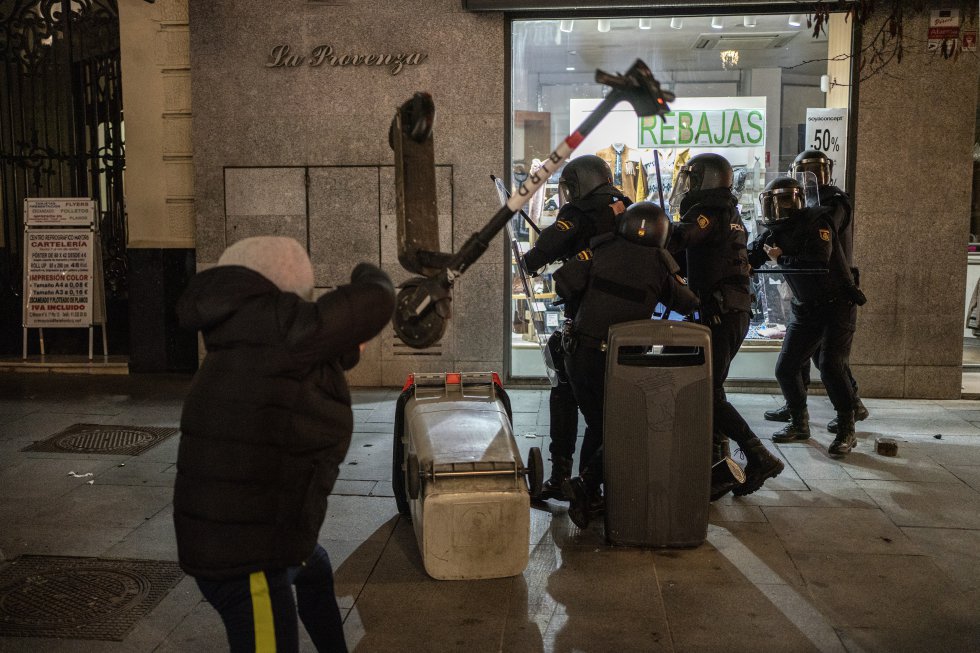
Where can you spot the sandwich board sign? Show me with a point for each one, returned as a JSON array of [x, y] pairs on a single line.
[[63, 286]]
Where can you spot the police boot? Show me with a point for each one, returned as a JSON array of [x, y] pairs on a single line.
[[761, 465], [797, 430], [726, 475], [585, 500], [781, 414], [845, 440], [860, 413], [561, 470]]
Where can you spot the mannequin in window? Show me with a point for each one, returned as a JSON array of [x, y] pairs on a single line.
[[628, 173]]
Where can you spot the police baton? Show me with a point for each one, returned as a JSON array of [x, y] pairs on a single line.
[[506, 193]]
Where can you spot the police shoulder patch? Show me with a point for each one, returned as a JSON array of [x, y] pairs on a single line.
[[703, 221], [825, 234], [584, 255], [563, 225]]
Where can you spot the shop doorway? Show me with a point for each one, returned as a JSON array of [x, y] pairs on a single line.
[[61, 135]]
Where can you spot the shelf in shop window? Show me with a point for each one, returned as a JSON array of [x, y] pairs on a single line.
[[538, 295], [759, 344]]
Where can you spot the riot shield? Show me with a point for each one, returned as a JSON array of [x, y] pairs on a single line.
[[535, 306]]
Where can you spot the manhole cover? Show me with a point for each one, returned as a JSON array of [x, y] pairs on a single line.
[[96, 438], [80, 598]]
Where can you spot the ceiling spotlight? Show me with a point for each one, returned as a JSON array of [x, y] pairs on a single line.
[[603, 25], [646, 23], [676, 23], [795, 20], [566, 25], [717, 23], [748, 21]]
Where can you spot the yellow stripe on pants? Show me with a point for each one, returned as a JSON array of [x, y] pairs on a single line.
[[265, 629]]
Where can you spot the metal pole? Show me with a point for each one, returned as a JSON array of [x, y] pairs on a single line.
[[660, 180]]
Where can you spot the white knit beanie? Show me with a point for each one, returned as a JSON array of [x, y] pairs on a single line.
[[281, 260]]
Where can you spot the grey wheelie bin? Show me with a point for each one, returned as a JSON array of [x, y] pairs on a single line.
[[457, 472], [657, 433]]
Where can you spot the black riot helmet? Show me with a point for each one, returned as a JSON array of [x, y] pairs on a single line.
[[644, 223], [816, 162], [707, 171], [781, 200], [703, 172], [581, 176]]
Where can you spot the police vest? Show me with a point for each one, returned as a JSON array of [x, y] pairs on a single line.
[[718, 269], [626, 281]]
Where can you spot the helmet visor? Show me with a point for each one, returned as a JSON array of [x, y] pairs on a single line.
[[567, 191], [780, 204], [679, 190], [821, 167]]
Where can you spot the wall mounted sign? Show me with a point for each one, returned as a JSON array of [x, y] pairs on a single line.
[[826, 130], [944, 30], [282, 56]]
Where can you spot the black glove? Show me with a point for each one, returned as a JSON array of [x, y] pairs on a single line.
[[368, 273], [856, 295]]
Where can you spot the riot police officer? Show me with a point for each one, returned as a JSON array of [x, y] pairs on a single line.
[[822, 166], [823, 311], [629, 273], [713, 236], [590, 205]]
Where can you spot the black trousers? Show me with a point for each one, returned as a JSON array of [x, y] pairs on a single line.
[[829, 327], [587, 372], [562, 408], [727, 334], [259, 610], [805, 371]]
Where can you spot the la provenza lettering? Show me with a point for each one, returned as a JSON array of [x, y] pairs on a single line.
[[281, 56]]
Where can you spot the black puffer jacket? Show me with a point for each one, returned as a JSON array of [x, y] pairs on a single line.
[[268, 417]]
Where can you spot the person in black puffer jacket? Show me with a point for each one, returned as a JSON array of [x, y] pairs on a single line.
[[264, 428]]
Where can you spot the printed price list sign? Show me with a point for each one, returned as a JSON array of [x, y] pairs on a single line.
[[58, 278], [58, 211]]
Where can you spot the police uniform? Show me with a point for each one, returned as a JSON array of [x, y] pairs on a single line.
[[823, 315], [839, 217], [577, 223], [713, 236], [625, 282]]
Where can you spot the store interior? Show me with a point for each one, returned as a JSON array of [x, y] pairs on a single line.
[[744, 87]]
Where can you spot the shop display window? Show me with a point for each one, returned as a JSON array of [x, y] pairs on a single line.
[[756, 91]]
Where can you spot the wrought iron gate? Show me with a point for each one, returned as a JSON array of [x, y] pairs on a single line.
[[61, 127]]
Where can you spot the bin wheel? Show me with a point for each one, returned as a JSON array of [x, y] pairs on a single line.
[[398, 477], [535, 472], [413, 479]]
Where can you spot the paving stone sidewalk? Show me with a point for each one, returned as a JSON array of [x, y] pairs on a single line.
[[864, 553]]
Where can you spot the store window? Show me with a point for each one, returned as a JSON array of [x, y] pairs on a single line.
[[756, 89], [971, 331]]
